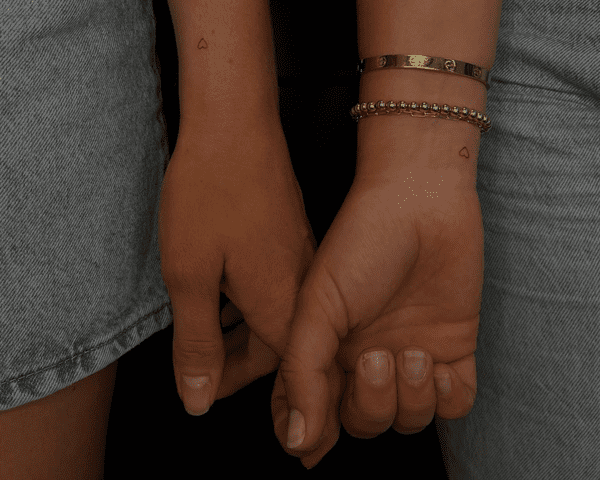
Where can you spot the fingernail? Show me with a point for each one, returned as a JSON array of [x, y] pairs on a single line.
[[296, 429], [414, 364], [442, 382], [377, 367], [196, 395]]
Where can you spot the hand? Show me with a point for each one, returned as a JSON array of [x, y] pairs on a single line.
[[390, 275], [231, 220]]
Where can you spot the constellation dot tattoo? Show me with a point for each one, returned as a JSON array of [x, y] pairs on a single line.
[[429, 194]]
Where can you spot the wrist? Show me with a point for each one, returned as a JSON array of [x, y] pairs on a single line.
[[389, 145], [393, 142], [236, 149], [413, 85], [219, 128]]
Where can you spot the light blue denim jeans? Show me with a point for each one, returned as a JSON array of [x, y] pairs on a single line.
[[83, 150], [537, 411]]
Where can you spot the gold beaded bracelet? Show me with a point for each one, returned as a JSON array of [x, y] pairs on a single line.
[[421, 110]]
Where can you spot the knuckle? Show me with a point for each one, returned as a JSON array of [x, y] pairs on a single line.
[[453, 412], [457, 406], [409, 428], [374, 411], [198, 349], [359, 427], [363, 420], [291, 363], [413, 423]]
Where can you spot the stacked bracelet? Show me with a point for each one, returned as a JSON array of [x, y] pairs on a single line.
[[422, 110]]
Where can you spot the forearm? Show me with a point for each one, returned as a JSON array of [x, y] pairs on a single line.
[[227, 71], [465, 30]]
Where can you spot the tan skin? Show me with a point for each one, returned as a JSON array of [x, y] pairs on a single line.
[[232, 221], [250, 239], [61, 436], [389, 280]]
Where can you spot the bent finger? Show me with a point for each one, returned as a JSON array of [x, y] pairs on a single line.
[[456, 387], [370, 401], [416, 390], [250, 360]]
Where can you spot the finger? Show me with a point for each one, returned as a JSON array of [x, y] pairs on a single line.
[[250, 360], [416, 392], [456, 397], [247, 358], [198, 350], [308, 357], [231, 317], [370, 401], [331, 433], [234, 330]]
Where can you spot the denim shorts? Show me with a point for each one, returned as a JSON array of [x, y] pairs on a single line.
[[537, 411], [83, 151]]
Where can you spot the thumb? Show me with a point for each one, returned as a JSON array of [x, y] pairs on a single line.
[[308, 365], [198, 349]]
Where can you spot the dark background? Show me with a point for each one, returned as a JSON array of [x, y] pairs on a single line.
[[150, 435]]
